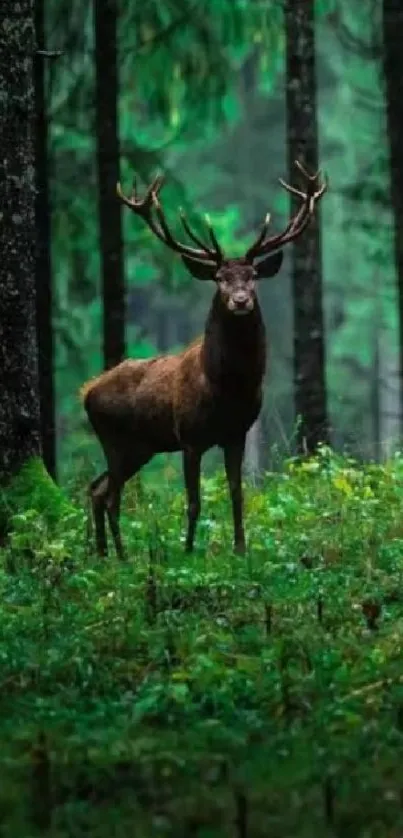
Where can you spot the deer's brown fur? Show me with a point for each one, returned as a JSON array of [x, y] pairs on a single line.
[[209, 394], [173, 401]]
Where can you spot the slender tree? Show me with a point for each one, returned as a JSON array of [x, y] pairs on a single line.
[[110, 225], [19, 402], [302, 144], [393, 77], [43, 268], [247, 168]]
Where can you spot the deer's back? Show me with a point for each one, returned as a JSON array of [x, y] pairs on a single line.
[[133, 404]]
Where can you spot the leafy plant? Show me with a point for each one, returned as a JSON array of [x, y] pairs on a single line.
[[252, 686]]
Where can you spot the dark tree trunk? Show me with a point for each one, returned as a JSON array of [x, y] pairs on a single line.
[[43, 270], [247, 165], [302, 144], [111, 245], [375, 395], [19, 402], [393, 74]]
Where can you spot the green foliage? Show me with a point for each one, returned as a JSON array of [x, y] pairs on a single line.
[[33, 491], [177, 696]]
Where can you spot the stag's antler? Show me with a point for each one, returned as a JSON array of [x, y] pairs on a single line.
[[298, 223], [144, 207]]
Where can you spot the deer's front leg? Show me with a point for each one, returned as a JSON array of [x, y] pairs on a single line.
[[233, 457], [191, 471]]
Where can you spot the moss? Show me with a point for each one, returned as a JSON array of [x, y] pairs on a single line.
[[32, 488]]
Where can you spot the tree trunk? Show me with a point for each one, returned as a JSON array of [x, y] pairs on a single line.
[[389, 403], [43, 269], [247, 166], [375, 394], [393, 73], [302, 144], [19, 402], [111, 245]]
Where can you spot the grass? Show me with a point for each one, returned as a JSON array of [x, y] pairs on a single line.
[[211, 696]]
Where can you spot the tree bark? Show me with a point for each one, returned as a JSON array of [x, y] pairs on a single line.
[[393, 76], [43, 267], [302, 144], [111, 244], [19, 402], [247, 168]]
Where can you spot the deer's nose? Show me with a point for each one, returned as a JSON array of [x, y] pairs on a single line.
[[240, 299]]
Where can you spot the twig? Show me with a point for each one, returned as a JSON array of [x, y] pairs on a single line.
[[384, 682], [50, 53]]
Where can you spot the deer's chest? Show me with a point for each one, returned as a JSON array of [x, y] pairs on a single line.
[[221, 416], [228, 396], [234, 414]]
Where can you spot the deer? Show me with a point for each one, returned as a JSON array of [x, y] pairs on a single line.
[[207, 395]]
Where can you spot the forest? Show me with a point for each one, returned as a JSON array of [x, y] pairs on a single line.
[[203, 640], [206, 105]]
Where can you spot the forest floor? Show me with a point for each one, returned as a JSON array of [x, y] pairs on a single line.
[[210, 696]]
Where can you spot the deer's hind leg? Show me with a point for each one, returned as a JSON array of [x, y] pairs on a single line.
[[112, 503], [106, 492], [97, 491]]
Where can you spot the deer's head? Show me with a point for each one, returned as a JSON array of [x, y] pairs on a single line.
[[235, 278]]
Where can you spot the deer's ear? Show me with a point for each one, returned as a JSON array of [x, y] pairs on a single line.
[[200, 270], [269, 266]]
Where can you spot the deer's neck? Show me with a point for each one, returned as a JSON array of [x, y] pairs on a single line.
[[234, 348]]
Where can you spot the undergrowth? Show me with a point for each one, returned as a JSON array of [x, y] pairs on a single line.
[[212, 695]]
